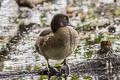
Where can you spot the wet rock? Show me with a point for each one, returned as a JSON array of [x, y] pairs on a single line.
[[112, 29], [29, 3]]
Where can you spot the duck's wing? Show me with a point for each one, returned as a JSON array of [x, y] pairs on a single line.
[[45, 32], [41, 40]]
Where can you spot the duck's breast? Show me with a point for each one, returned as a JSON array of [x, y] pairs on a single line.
[[63, 45]]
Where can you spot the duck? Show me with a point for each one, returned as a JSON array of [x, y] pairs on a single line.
[[57, 42]]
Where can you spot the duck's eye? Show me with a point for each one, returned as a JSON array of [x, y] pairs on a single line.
[[65, 18]]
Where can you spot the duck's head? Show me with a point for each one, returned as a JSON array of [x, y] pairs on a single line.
[[59, 20]]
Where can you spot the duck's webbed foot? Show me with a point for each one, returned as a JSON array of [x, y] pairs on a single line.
[[51, 71], [62, 70]]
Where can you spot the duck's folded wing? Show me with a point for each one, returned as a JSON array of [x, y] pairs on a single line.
[[45, 32], [41, 40]]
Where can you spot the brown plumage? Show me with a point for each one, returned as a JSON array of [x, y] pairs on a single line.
[[59, 42]]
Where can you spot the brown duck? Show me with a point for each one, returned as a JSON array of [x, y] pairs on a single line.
[[59, 42]]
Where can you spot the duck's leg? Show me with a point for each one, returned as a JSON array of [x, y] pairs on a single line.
[[51, 70], [64, 62], [66, 68]]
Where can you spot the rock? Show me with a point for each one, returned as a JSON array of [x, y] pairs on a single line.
[[112, 29]]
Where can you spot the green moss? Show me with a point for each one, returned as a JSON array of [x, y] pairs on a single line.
[[9, 68], [88, 54], [93, 16], [117, 11], [36, 67], [43, 77], [42, 18], [15, 59], [21, 23], [57, 64], [118, 49], [90, 12], [37, 57], [15, 79], [75, 77], [99, 38], [44, 64], [2, 42], [87, 77], [78, 50]]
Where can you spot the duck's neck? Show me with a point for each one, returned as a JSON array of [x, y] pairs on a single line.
[[62, 32]]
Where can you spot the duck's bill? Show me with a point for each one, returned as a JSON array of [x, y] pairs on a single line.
[[69, 24]]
